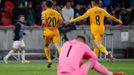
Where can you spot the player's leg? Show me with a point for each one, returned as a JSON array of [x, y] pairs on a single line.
[[101, 69], [101, 33], [110, 56], [101, 47], [15, 46], [96, 50], [98, 44], [22, 45], [57, 45], [47, 41], [97, 35], [47, 50], [48, 34], [23, 55], [56, 41], [96, 41]]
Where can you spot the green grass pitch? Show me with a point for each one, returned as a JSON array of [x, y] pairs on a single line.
[[40, 68]]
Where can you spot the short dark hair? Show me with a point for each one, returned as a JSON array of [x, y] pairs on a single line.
[[49, 3], [68, 1], [81, 37], [20, 16], [96, 1]]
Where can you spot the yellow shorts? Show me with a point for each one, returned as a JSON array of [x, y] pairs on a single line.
[[97, 32], [51, 36]]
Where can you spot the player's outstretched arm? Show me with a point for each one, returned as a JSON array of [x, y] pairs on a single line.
[[120, 22], [95, 64], [85, 15], [112, 17]]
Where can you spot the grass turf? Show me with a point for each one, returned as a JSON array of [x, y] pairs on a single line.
[[40, 68]]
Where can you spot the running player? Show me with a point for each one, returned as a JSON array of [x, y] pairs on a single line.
[[71, 59], [51, 19], [18, 40], [97, 15]]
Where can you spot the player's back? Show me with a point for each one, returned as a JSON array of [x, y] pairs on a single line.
[[97, 16], [51, 18], [71, 54]]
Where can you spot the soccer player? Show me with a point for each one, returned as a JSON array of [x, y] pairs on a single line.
[[18, 40], [97, 15], [71, 59], [51, 19]]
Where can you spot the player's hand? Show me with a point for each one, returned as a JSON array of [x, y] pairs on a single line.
[[120, 22], [67, 22]]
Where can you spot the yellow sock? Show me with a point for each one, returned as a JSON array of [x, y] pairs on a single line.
[[96, 51], [48, 55], [59, 50], [102, 49]]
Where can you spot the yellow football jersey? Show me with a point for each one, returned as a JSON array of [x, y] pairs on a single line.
[[96, 15], [51, 18]]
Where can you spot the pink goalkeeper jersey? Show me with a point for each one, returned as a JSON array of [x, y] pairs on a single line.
[[72, 54]]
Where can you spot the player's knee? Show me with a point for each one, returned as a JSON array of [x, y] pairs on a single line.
[[96, 43]]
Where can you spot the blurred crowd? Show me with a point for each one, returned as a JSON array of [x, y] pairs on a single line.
[[11, 9]]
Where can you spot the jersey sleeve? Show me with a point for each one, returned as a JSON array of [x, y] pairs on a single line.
[[85, 15], [90, 55], [60, 17], [43, 17], [110, 16], [60, 20]]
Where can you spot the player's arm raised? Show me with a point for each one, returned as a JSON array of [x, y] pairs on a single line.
[[112, 17]]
